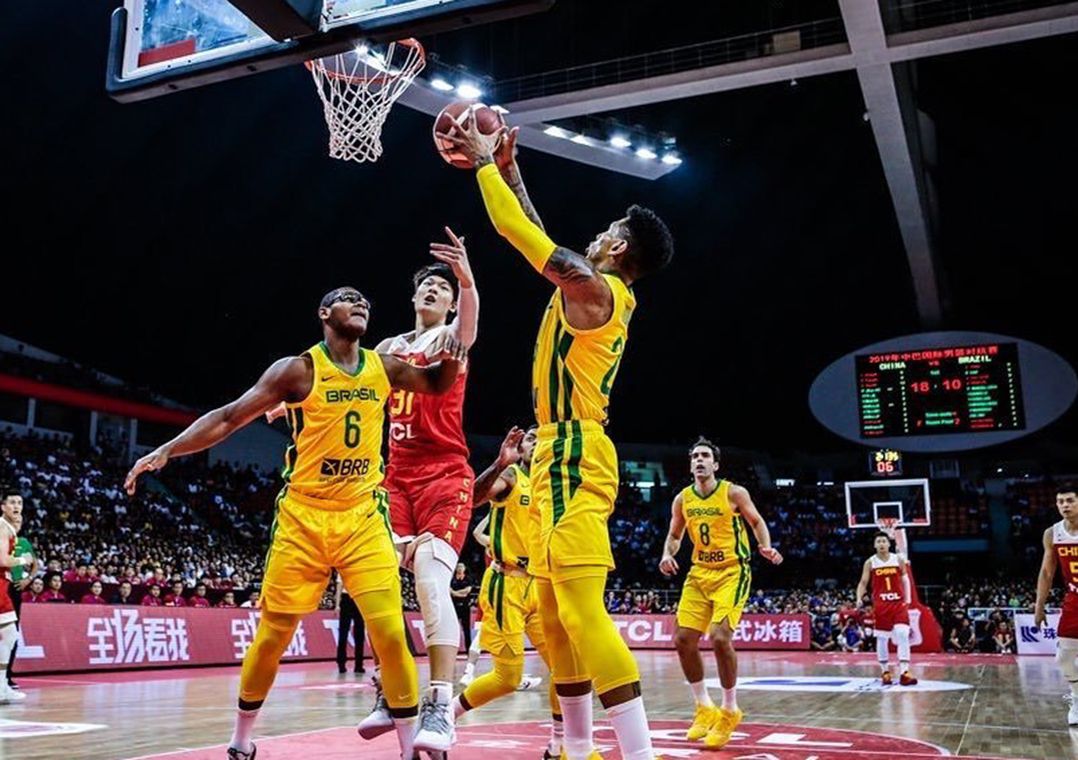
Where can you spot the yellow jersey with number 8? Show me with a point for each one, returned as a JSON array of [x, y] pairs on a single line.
[[716, 530], [573, 370], [336, 450]]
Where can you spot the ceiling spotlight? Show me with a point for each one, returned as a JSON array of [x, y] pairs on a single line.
[[646, 153], [362, 50], [581, 140], [620, 141], [469, 91], [671, 159], [555, 132], [441, 85]]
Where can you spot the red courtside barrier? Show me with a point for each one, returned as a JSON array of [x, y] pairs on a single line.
[[59, 638]]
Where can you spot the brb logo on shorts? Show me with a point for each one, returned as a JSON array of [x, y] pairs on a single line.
[[345, 468]]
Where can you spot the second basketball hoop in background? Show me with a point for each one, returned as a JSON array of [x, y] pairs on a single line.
[[489, 122]]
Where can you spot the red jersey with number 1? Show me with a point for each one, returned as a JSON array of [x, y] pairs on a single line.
[[425, 426], [889, 606], [1065, 545]]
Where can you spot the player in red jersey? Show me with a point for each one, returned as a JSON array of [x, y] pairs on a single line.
[[8, 617], [890, 606], [428, 477], [1061, 549]]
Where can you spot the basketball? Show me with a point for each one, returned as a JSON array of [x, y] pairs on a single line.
[[487, 119]]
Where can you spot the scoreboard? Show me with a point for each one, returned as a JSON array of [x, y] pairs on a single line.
[[942, 391], [951, 389], [885, 463]]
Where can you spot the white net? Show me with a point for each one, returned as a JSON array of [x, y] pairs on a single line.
[[357, 89]]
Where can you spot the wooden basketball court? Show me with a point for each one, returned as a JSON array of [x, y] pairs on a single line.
[[797, 705]]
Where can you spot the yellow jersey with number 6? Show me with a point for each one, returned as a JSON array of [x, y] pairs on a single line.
[[336, 450], [573, 370], [717, 531]]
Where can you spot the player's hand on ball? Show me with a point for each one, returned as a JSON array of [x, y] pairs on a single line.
[[772, 555], [506, 154], [456, 256], [510, 450], [668, 566], [276, 412], [478, 147], [152, 462]]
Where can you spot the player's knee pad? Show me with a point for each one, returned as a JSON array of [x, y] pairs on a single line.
[[881, 645], [8, 637], [432, 583]]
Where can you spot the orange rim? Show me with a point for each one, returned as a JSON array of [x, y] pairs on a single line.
[[410, 42]]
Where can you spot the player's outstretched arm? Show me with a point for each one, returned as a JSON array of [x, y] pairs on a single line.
[[506, 159], [668, 563], [1044, 580], [453, 253], [498, 480], [286, 379], [436, 378], [741, 500]]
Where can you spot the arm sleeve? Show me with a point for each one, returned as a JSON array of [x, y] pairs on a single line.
[[510, 220]]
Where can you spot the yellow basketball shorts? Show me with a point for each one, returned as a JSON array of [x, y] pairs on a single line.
[[510, 608], [310, 537], [574, 482], [711, 596]]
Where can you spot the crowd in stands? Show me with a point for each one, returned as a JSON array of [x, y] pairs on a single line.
[[195, 535]]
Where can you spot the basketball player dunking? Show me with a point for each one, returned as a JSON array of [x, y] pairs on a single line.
[[886, 570], [429, 479], [714, 512], [332, 512], [507, 596], [1061, 550], [575, 467]]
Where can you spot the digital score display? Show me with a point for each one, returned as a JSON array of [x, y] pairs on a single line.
[[959, 389], [884, 463]]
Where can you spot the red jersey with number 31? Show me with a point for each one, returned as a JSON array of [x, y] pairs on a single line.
[[423, 426], [1065, 545]]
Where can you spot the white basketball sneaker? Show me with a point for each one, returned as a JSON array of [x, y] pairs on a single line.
[[10, 696], [435, 732], [527, 683], [1072, 714], [379, 721]]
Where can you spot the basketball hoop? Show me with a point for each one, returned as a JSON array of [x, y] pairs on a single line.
[[357, 88], [888, 526]]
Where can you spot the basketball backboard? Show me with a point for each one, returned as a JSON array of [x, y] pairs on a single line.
[[163, 46], [906, 502]]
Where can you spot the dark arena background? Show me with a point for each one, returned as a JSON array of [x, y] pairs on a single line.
[[870, 310]]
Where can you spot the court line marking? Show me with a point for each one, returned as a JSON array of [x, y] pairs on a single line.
[[940, 751], [969, 717], [48, 679]]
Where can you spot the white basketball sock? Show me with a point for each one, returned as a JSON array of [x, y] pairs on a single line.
[[882, 652], [405, 734], [630, 723], [902, 643], [729, 698], [557, 737], [576, 713], [699, 693], [244, 728]]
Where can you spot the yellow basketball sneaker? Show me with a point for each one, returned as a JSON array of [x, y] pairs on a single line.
[[593, 756], [705, 717], [723, 728]]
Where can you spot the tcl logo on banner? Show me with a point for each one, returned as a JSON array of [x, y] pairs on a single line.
[[67, 637], [752, 632]]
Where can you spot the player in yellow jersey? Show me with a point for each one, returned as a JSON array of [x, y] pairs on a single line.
[[715, 513], [331, 513], [507, 596], [575, 468]]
